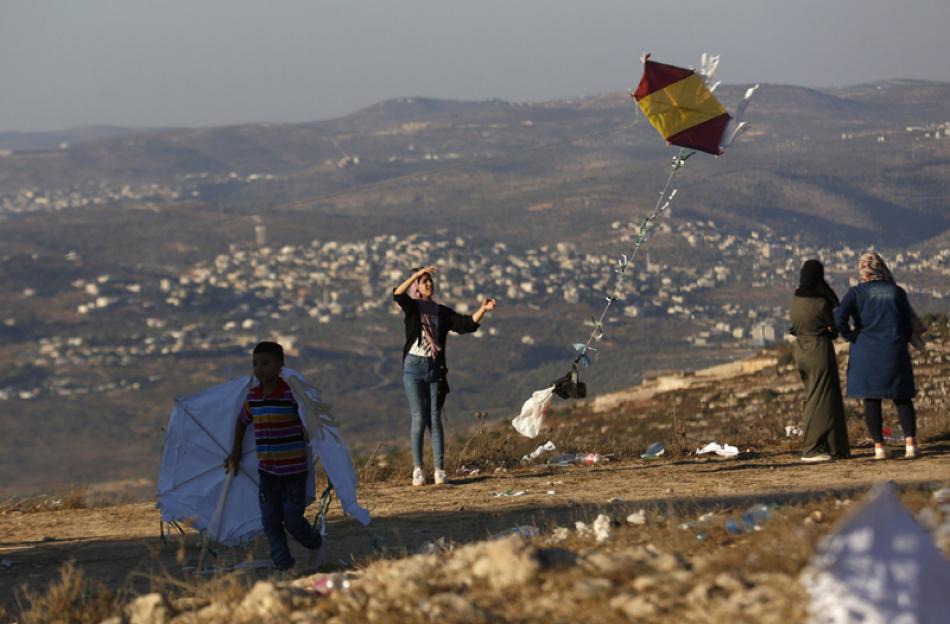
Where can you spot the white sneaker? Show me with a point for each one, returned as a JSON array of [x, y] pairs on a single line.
[[814, 459], [911, 452], [418, 477], [881, 452], [439, 477]]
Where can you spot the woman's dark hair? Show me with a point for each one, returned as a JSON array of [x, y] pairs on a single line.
[[271, 348], [429, 275]]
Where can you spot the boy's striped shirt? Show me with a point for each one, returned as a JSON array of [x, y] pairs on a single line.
[[278, 432]]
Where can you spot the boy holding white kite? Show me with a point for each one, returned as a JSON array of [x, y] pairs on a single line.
[[281, 444]]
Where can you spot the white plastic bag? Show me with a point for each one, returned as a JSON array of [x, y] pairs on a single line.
[[538, 452], [529, 422], [723, 450]]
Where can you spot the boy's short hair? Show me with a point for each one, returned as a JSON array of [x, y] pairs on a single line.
[[272, 348]]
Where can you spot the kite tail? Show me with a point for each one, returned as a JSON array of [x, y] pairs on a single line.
[[736, 125]]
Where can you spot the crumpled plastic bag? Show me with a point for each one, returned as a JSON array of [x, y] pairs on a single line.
[[529, 422], [538, 452], [723, 450]]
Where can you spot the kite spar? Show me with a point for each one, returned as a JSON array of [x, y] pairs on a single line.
[[680, 104]]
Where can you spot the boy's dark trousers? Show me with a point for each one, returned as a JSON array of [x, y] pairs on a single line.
[[283, 501]]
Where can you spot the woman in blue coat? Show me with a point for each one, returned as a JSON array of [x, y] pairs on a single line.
[[876, 318]]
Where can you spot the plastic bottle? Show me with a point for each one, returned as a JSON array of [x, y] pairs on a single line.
[[755, 516], [585, 459], [589, 459], [330, 583], [564, 459], [653, 451]]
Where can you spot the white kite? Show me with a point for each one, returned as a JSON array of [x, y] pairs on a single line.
[[878, 567], [193, 486]]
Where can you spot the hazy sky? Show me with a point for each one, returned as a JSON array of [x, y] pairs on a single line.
[[214, 62]]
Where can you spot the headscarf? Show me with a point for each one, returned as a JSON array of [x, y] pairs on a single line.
[[429, 315], [811, 283], [872, 268]]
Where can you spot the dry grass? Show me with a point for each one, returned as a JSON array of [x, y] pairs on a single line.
[[71, 499], [749, 411], [72, 599], [716, 568]]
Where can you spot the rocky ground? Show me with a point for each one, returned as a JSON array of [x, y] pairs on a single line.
[[682, 537], [673, 561]]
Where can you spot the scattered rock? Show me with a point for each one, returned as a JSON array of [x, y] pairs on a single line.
[[148, 609], [434, 546], [665, 562], [817, 516], [452, 607], [602, 528], [646, 583], [264, 601], [551, 558], [942, 495], [559, 534], [504, 563], [623, 564], [637, 517], [591, 587], [729, 583], [699, 593], [188, 603], [634, 607]]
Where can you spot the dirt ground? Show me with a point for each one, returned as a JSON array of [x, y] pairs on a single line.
[[120, 545]]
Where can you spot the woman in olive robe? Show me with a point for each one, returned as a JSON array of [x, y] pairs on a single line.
[[826, 434]]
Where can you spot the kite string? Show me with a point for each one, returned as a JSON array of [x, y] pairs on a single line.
[[643, 235]]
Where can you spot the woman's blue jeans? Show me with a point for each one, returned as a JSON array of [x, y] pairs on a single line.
[[421, 379]]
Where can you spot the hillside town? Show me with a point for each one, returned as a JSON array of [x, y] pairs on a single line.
[[224, 303]]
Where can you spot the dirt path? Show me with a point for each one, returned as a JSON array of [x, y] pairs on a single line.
[[121, 547]]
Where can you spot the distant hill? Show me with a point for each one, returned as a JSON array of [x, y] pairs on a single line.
[[815, 158], [51, 140], [101, 242]]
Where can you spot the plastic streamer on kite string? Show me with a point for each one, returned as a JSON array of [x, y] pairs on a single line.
[[570, 386], [708, 64]]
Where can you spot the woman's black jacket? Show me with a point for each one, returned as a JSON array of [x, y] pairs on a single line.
[[449, 320]]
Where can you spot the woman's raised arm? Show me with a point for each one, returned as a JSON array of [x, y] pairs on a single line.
[[402, 288]]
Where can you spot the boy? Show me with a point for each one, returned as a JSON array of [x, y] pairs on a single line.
[[281, 453]]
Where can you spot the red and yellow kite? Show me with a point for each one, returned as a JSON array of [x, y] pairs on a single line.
[[681, 107]]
